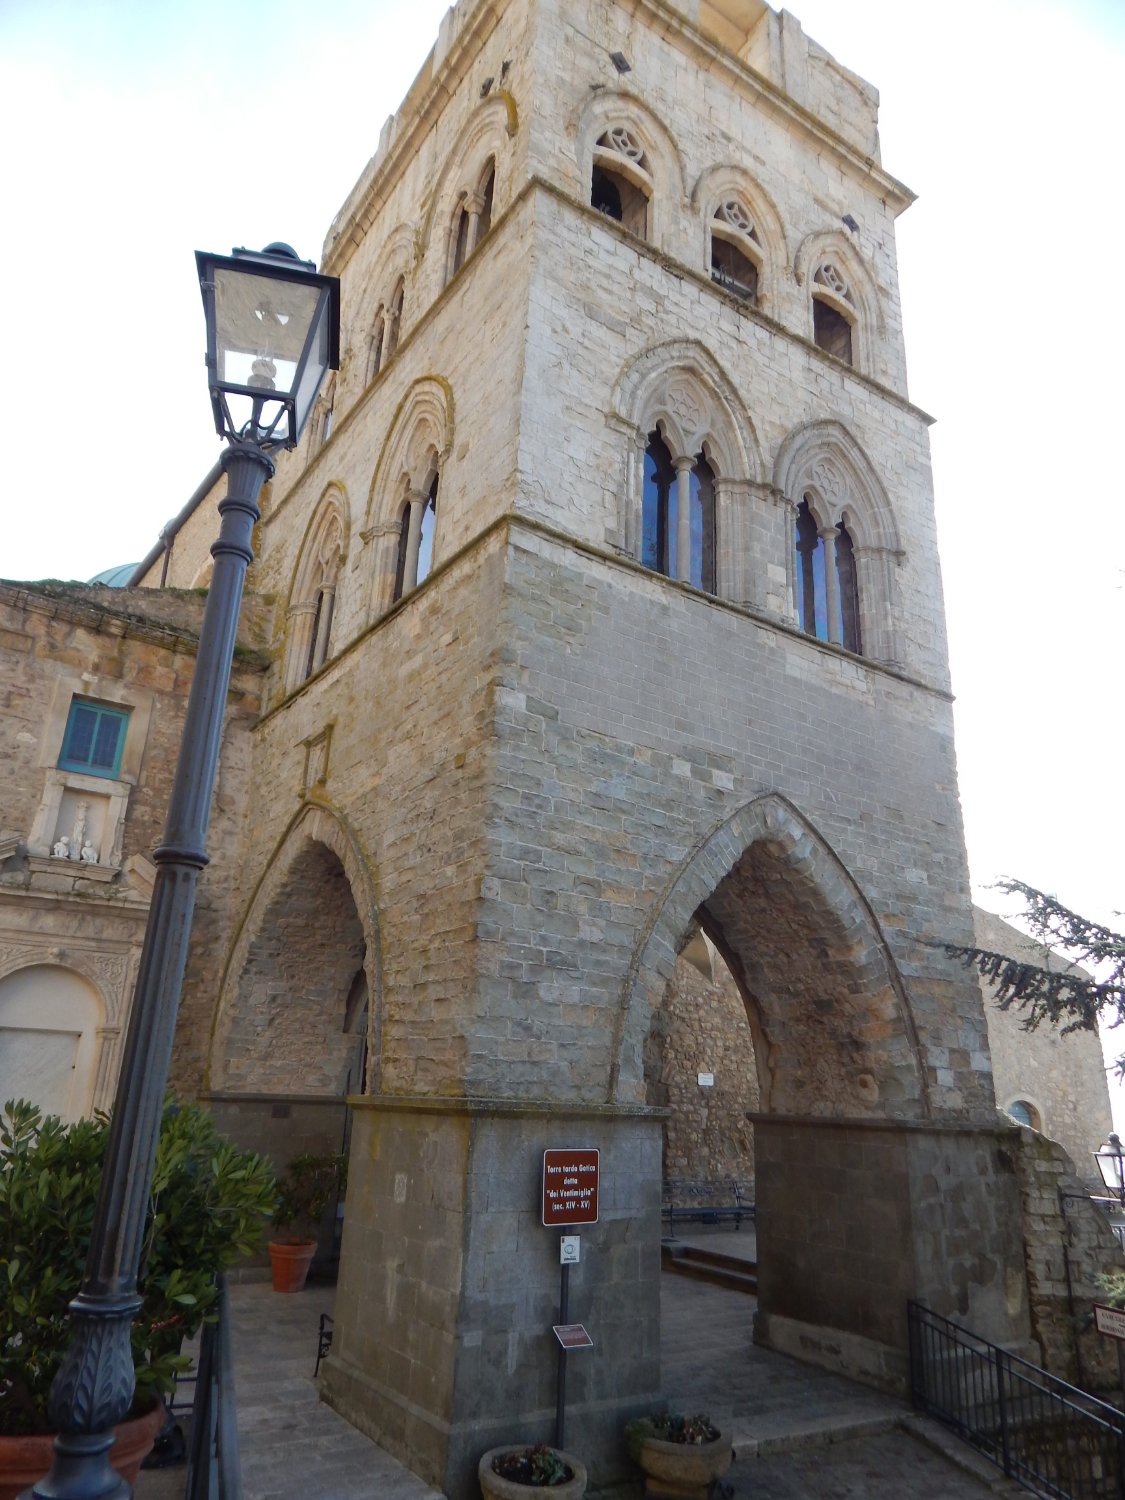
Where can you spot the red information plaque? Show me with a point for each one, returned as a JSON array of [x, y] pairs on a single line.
[[572, 1336], [570, 1188]]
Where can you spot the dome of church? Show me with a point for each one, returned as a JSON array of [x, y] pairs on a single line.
[[115, 578]]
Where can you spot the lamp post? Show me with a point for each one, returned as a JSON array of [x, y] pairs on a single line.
[[272, 332], [1111, 1164]]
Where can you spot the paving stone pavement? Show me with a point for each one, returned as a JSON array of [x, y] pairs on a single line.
[[799, 1433]]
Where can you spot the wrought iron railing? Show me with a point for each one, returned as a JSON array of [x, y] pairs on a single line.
[[1055, 1440], [213, 1465]]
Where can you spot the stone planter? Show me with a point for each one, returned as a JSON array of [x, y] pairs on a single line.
[[23, 1460], [494, 1487], [682, 1471], [290, 1262]]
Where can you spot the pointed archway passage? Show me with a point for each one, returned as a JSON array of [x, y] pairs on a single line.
[[291, 1035], [853, 1171]]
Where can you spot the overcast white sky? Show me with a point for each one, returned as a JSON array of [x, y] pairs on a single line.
[[136, 131]]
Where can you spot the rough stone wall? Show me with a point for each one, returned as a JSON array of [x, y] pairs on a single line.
[[702, 1028], [1063, 1077], [1069, 1247]]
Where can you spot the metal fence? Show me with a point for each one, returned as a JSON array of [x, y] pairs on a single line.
[[213, 1465], [1055, 1440]]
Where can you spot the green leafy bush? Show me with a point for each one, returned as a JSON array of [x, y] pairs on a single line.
[[305, 1190], [669, 1428], [209, 1207]]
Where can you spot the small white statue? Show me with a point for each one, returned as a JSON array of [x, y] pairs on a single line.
[[61, 849], [78, 832], [89, 853]]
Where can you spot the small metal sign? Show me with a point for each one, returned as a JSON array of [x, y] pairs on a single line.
[[570, 1187], [1109, 1320], [706, 1080], [569, 1249], [572, 1336]]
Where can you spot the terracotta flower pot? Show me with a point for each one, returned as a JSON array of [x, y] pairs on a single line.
[[683, 1471], [23, 1460], [290, 1262], [494, 1487]]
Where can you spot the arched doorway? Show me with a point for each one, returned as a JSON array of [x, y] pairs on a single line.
[[864, 1199], [292, 1037], [49, 1043]]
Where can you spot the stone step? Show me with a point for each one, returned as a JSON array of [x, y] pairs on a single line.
[[708, 1265]]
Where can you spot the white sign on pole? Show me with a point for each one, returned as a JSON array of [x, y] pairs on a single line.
[[569, 1245], [1109, 1320]]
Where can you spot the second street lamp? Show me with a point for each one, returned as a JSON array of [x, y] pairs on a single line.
[[272, 333]]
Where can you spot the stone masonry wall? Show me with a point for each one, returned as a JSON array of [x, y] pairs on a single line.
[[1062, 1077], [702, 1028], [1069, 1247]]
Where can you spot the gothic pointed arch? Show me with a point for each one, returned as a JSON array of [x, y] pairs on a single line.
[[821, 466], [312, 592], [379, 324], [837, 1035], [484, 146], [404, 487], [624, 148], [732, 208], [676, 396], [317, 874], [841, 289]]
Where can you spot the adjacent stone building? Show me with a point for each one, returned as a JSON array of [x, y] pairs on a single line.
[[601, 612]]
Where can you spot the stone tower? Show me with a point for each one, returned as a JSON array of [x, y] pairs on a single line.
[[608, 610]]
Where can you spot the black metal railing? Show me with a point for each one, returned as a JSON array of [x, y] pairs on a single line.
[[213, 1465], [1055, 1440]]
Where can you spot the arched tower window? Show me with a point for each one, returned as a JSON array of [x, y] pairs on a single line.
[[378, 334], [473, 219], [313, 599], [394, 317], [1025, 1113], [833, 313], [827, 588], [621, 182], [664, 541], [735, 250], [417, 521]]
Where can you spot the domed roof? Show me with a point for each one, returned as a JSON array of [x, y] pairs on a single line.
[[115, 578]]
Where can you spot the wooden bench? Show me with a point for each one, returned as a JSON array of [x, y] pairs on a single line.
[[689, 1200]]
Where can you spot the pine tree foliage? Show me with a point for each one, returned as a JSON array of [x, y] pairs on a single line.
[[1063, 997]]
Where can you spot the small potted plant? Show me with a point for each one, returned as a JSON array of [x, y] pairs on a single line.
[[209, 1206], [309, 1185], [681, 1456], [507, 1473]]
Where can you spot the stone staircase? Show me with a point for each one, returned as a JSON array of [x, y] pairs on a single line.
[[730, 1271]]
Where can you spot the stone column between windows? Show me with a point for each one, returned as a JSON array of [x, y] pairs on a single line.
[[474, 207], [828, 535], [874, 570], [684, 467], [383, 538], [418, 502], [302, 618], [320, 646], [737, 561]]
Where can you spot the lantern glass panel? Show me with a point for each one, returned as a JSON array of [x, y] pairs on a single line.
[[261, 325]]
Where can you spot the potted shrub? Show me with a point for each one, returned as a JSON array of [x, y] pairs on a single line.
[[310, 1184], [209, 1206], [680, 1456], [507, 1473]]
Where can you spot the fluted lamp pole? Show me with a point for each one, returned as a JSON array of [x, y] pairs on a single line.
[[272, 332]]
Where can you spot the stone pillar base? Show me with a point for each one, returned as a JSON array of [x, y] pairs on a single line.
[[449, 1284]]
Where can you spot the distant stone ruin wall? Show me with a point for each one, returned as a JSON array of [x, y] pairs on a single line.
[[1069, 1245], [702, 1028]]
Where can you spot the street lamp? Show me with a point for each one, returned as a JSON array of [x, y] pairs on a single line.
[[1111, 1164], [272, 333]]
